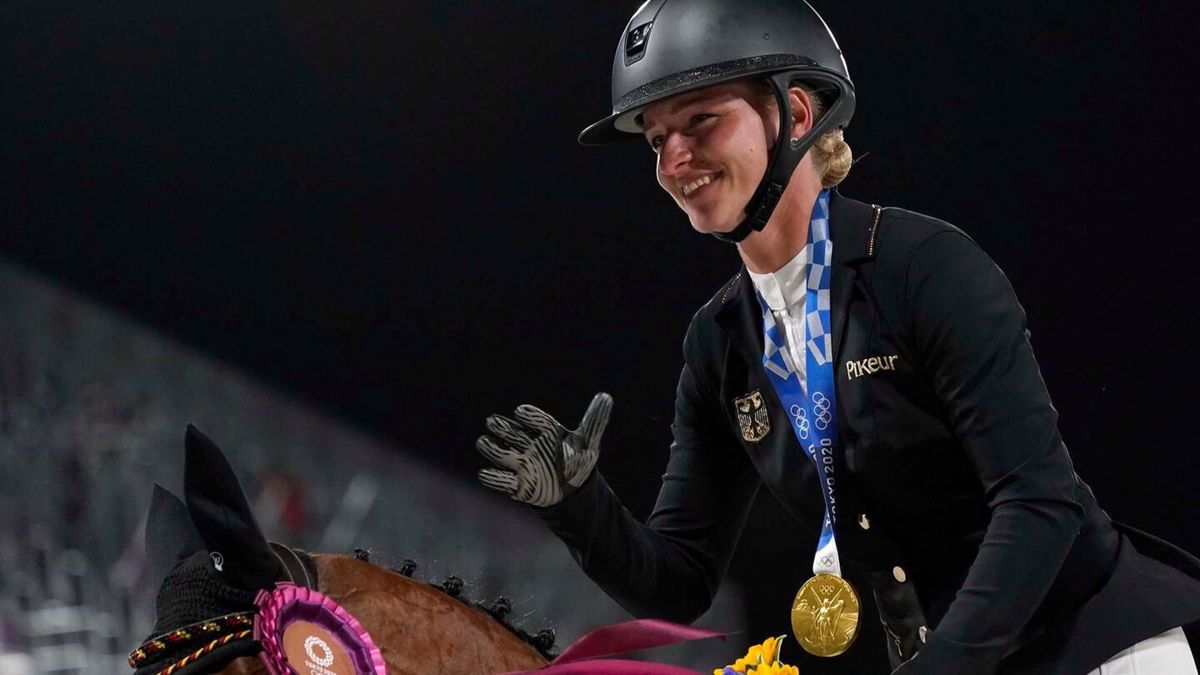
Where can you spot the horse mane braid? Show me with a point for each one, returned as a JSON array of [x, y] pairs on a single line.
[[499, 609]]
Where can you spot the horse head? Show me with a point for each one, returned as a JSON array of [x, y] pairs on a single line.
[[213, 560]]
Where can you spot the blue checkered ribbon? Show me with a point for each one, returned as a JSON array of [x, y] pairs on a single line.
[[811, 403]]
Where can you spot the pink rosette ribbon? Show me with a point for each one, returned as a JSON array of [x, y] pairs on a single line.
[[287, 603]]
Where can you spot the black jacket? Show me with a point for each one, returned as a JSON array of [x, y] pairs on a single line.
[[962, 509]]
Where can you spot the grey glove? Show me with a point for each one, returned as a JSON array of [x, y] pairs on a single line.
[[541, 461]]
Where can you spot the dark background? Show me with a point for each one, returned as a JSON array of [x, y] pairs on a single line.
[[381, 207]]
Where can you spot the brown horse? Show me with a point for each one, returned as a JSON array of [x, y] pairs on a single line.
[[213, 560]]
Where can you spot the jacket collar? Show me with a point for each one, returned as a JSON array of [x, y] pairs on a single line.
[[850, 225]]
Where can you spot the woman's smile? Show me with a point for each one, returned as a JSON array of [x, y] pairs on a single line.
[[689, 190]]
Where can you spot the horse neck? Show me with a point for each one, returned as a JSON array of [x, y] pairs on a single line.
[[419, 628]]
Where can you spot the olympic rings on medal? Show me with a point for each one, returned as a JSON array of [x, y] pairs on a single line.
[[822, 404], [800, 418]]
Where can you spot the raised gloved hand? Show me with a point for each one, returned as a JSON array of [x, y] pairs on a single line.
[[542, 462]]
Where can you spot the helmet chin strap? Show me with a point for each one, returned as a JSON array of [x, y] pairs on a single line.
[[788, 152]]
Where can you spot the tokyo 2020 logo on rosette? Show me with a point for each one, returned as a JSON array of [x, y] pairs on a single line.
[[302, 632]]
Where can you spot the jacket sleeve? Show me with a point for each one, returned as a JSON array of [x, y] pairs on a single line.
[[969, 330], [670, 566]]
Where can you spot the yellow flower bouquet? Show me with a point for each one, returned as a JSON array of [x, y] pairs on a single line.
[[762, 659]]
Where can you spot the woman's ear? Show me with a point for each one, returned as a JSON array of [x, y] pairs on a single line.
[[802, 111]]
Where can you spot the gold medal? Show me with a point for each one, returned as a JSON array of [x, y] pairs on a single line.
[[825, 615]]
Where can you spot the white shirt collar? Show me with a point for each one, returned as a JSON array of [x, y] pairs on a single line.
[[785, 287]]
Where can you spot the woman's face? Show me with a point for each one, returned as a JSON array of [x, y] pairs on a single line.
[[712, 151]]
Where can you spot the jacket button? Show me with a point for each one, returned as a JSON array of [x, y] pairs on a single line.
[[898, 572], [922, 631], [863, 522]]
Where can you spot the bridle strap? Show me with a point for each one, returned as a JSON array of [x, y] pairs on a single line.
[[298, 563]]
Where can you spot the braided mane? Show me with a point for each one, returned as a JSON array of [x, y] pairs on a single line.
[[499, 609]]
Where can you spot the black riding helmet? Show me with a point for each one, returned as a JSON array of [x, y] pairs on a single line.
[[673, 46]]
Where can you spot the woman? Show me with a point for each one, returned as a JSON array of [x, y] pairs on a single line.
[[870, 366]]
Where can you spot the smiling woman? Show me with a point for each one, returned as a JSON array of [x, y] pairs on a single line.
[[871, 366], [712, 148], [729, 132]]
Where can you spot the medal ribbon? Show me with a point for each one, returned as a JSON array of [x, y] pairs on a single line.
[[810, 404]]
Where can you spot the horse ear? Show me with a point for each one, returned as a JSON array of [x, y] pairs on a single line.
[[222, 516], [170, 535]]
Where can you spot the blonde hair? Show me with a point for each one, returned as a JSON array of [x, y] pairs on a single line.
[[831, 155]]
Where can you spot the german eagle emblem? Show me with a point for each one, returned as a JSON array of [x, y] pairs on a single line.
[[752, 416]]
